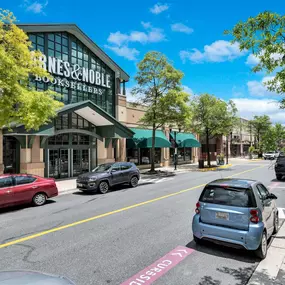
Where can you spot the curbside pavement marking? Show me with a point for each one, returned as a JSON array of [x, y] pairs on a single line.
[[16, 241]]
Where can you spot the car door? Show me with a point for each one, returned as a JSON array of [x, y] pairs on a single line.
[[125, 168], [6, 191], [268, 207], [116, 174], [24, 188]]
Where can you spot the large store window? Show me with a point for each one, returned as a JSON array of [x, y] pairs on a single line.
[[183, 154], [141, 156], [66, 47]]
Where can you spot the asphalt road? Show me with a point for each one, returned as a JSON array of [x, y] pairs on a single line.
[[106, 239]]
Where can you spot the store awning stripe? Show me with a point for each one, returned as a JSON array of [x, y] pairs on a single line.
[[185, 140], [143, 139]]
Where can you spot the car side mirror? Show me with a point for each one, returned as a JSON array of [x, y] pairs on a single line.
[[271, 196]]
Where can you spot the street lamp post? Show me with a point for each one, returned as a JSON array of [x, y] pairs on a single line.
[[227, 149], [175, 149]]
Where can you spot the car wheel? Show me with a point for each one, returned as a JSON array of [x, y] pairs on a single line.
[[134, 181], [279, 177], [197, 240], [262, 249], [103, 187], [39, 199], [276, 223]]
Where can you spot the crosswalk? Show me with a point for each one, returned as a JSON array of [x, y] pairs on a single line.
[[144, 181]]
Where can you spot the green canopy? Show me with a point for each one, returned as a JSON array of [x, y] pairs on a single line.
[[185, 140], [143, 139]]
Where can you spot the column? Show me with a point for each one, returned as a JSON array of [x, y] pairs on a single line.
[[124, 88], [31, 159], [1, 153], [101, 152]]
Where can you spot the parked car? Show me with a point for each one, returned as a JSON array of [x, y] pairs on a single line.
[[107, 175], [19, 189], [31, 278], [280, 167], [238, 213], [270, 155]]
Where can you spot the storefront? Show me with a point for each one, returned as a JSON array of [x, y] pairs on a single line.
[[85, 131], [139, 147]]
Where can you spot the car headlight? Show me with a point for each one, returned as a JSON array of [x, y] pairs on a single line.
[[92, 179]]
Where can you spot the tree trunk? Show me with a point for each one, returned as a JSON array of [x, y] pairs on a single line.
[[208, 148], [152, 166]]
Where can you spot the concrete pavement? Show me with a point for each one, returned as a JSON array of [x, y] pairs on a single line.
[[107, 239]]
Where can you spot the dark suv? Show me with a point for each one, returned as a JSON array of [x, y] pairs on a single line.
[[280, 166], [107, 175]]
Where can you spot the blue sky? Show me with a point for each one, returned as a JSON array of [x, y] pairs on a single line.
[[190, 33]]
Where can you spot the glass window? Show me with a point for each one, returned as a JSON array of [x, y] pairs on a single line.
[[64, 41], [58, 47], [24, 179], [262, 191], [125, 166], [73, 44], [6, 182], [40, 41], [65, 57], [51, 52], [116, 167], [32, 38], [58, 39], [65, 49], [102, 168], [51, 44], [51, 37], [41, 48], [236, 197]]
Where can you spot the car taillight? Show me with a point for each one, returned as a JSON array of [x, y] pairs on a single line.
[[197, 210], [254, 216]]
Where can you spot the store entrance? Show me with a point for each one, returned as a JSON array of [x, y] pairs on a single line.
[[64, 163], [11, 149]]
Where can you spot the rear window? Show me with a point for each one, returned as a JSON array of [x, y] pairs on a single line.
[[236, 197]]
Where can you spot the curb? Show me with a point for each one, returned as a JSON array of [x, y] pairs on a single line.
[[271, 269], [215, 168]]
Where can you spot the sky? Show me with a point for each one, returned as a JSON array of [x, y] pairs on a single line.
[[189, 33]]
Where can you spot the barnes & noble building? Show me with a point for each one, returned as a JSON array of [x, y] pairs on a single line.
[[91, 128]]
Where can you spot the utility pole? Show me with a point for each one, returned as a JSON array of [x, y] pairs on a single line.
[[175, 152]]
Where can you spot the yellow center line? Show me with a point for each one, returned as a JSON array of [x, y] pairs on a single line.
[[16, 241]]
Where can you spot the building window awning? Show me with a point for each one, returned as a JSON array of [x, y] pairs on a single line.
[[185, 140], [143, 139]]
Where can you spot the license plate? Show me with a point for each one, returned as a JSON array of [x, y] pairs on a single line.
[[222, 216], [79, 185]]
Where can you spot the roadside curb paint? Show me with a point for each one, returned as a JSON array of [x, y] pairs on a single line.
[[154, 271], [215, 168]]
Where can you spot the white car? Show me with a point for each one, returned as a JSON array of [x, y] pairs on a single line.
[[270, 155]]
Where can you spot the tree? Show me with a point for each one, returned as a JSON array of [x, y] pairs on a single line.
[[211, 117], [264, 36], [19, 102], [260, 125], [273, 138], [159, 89]]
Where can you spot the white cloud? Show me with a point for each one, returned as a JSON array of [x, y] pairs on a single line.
[[117, 38], [218, 51], [254, 59], [250, 107], [179, 27], [258, 88], [159, 8], [187, 90], [152, 35], [35, 7], [124, 51], [120, 42]]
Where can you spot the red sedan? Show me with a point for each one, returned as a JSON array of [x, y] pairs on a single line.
[[16, 189]]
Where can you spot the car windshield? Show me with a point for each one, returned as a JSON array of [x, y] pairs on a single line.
[[102, 168], [237, 197]]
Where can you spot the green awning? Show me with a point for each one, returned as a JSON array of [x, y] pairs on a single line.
[[143, 139], [185, 140]]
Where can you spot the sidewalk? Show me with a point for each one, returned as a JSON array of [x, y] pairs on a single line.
[[271, 270]]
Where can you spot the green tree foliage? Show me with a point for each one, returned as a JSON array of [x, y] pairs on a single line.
[[264, 36], [159, 89], [19, 103], [260, 125], [273, 138], [211, 117]]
